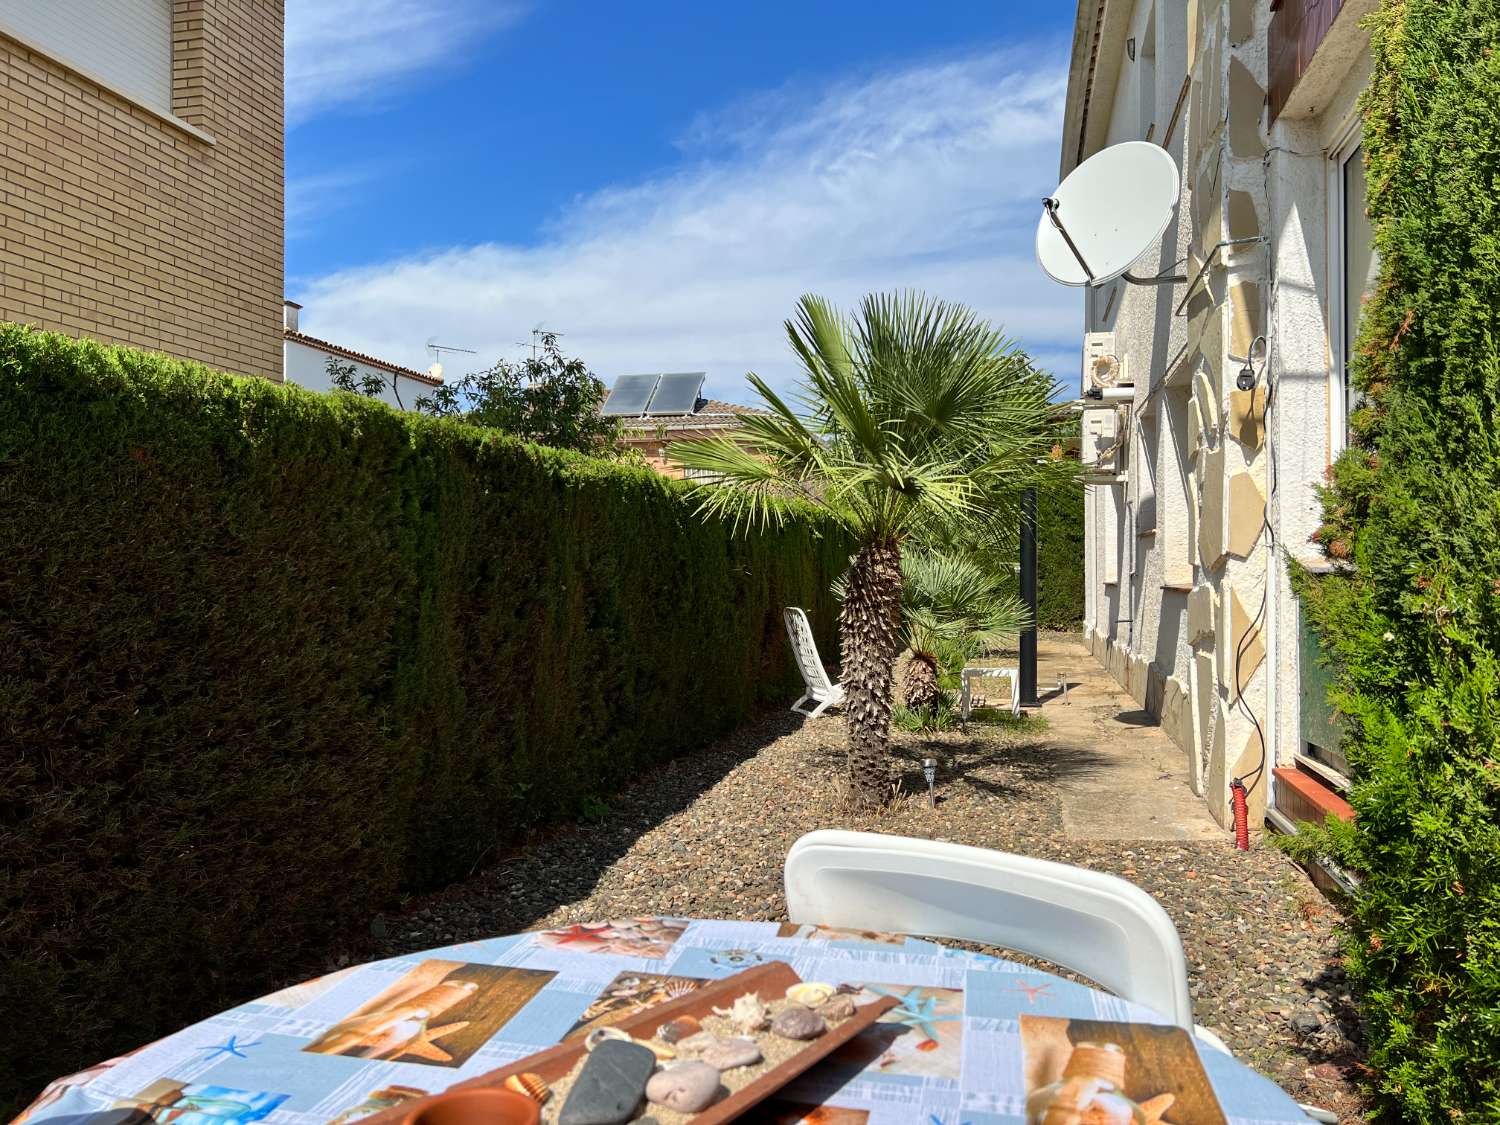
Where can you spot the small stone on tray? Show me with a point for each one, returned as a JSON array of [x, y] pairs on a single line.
[[838, 1008], [687, 1087], [727, 1054], [696, 1044], [674, 1030], [796, 1022], [609, 1087]]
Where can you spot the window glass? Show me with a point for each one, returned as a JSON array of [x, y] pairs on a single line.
[[1361, 263]]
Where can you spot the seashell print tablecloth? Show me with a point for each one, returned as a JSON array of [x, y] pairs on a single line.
[[972, 1037]]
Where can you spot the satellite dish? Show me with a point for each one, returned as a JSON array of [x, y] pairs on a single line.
[[1109, 211], [435, 371]]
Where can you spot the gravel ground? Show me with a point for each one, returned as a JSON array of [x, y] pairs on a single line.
[[706, 836]]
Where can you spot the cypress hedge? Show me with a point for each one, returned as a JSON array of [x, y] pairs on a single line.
[[1413, 624], [1059, 559], [269, 658]]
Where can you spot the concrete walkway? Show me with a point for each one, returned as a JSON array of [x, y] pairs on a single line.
[[1131, 780]]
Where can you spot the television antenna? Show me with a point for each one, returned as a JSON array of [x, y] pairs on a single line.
[[536, 339], [436, 350], [1106, 214]]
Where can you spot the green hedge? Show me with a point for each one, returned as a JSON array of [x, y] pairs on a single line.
[[268, 657], [1059, 559], [1413, 626]]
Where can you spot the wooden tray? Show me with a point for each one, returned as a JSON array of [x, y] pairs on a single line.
[[769, 981]]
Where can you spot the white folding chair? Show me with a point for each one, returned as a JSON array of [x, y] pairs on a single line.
[[966, 693], [820, 689], [1097, 925]]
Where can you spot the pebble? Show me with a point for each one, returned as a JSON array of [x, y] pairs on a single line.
[[796, 1022], [727, 1054], [1305, 1023], [675, 1030], [609, 1087], [687, 1087], [838, 1008], [696, 1044]]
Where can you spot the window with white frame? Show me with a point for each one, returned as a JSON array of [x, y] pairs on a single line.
[[1353, 264], [123, 44]]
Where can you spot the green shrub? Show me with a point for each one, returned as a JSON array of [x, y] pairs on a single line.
[[269, 657], [1413, 627], [1059, 559]]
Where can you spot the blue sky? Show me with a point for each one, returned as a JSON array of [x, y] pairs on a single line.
[[659, 181]]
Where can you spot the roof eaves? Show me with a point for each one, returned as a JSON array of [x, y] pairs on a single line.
[[361, 357]]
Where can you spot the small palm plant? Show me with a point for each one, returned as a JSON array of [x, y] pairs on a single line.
[[954, 609], [918, 417]]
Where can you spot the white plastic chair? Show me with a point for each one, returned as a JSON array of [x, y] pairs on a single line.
[[1100, 926], [820, 689], [966, 694]]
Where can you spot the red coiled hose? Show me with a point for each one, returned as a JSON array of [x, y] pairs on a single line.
[[1240, 797]]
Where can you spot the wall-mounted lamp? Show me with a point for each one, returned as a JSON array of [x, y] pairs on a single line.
[[1130, 49]]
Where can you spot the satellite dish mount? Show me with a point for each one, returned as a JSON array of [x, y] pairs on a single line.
[[1106, 214], [1051, 207]]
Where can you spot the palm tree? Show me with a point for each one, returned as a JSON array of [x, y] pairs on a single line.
[[917, 416], [954, 608]]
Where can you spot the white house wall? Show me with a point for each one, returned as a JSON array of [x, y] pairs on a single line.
[[307, 366], [1194, 562]]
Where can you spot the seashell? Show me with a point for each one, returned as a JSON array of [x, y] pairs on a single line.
[[748, 1014], [600, 1034], [660, 1050], [810, 994], [680, 1028], [532, 1085]]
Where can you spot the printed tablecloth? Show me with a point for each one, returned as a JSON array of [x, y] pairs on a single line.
[[971, 1037]]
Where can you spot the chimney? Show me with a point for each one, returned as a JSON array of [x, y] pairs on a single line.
[[289, 315]]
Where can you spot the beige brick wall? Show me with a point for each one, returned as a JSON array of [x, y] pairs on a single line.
[[119, 225]]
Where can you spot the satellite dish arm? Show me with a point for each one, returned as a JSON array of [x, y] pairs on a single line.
[[1050, 206]]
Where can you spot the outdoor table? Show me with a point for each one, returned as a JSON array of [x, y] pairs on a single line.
[[972, 1036]]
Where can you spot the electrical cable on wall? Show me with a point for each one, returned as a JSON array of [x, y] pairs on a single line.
[[1239, 790]]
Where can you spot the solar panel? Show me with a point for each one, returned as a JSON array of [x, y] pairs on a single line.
[[677, 394], [629, 395]]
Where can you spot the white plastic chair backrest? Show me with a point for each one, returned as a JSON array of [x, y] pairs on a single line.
[[1097, 925], [805, 649]]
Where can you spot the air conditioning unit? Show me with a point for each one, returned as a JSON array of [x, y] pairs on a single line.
[[1101, 430], [1104, 368]]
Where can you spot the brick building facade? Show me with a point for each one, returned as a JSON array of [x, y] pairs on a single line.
[[153, 221]]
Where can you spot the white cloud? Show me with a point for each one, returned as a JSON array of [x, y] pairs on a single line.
[[929, 177], [340, 51]]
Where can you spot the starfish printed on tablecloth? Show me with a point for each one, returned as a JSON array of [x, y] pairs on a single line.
[[422, 1046], [230, 1047], [581, 934], [913, 1011], [1032, 990]]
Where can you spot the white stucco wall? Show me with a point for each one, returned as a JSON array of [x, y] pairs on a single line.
[[306, 366], [1187, 528]]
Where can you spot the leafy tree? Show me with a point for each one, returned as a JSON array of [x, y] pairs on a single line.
[[916, 415], [371, 382], [547, 398]]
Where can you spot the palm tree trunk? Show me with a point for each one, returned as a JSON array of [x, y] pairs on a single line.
[[868, 630], [921, 682]]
